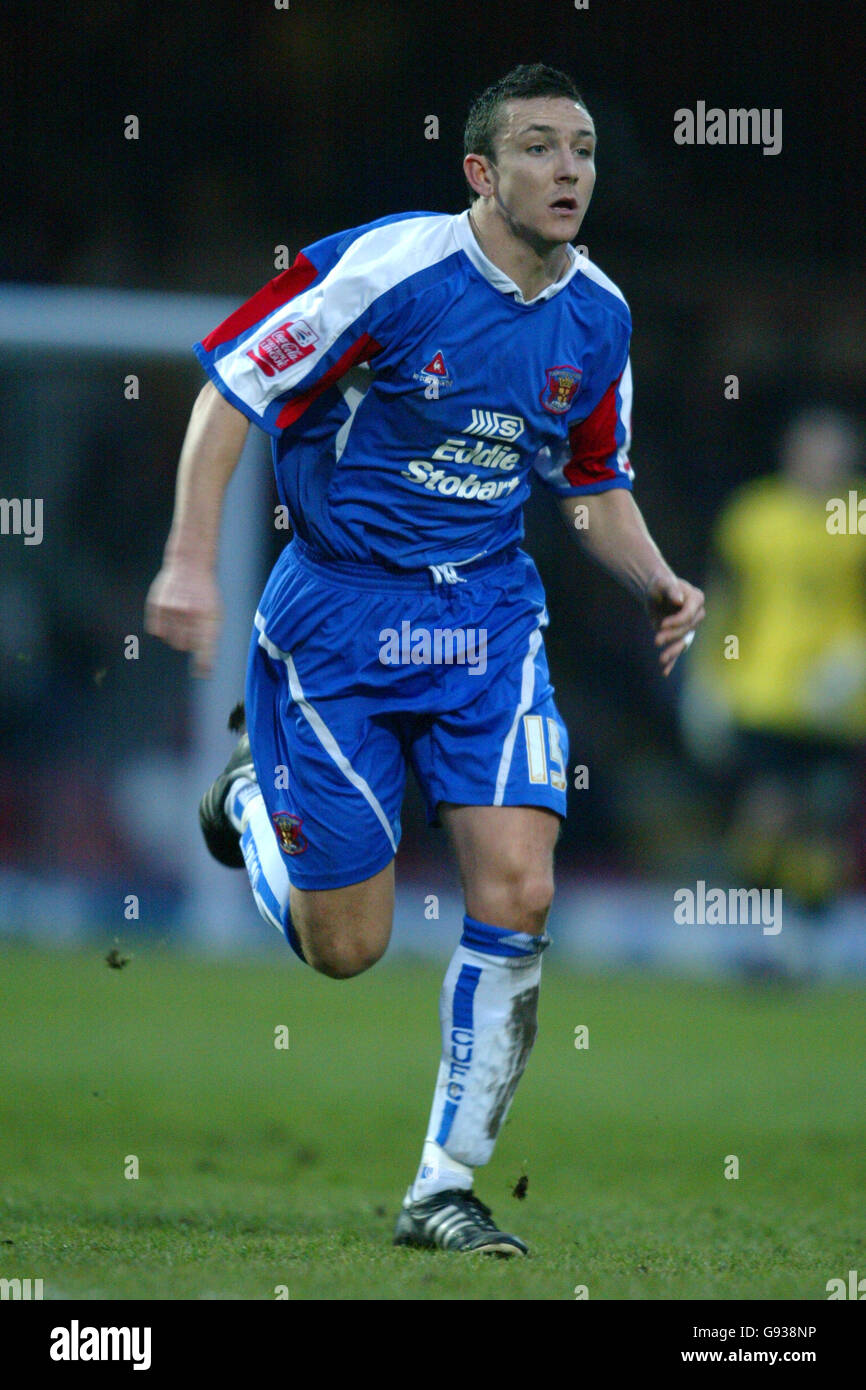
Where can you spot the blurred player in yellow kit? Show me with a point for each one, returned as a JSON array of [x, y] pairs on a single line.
[[778, 688]]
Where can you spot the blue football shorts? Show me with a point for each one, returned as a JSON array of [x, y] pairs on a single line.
[[355, 673]]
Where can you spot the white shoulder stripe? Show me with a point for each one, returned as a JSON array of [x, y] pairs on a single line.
[[592, 272], [421, 241], [373, 264]]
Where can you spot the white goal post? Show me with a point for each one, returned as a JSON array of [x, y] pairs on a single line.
[[137, 325]]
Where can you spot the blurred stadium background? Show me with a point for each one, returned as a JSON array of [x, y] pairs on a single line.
[[262, 128]]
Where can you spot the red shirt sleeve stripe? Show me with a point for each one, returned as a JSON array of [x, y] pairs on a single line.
[[361, 350], [265, 302], [593, 443]]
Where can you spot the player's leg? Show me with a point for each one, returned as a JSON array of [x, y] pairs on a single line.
[[489, 1000], [488, 1011], [339, 931], [343, 931], [316, 803], [493, 770], [505, 858]]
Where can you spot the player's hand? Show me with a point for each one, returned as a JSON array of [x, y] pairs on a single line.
[[183, 608], [675, 608]]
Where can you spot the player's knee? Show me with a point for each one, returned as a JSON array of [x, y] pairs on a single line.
[[533, 898], [340, 960], [520, 900], [341, 944]]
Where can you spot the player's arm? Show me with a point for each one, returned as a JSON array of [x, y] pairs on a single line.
[[183, 606], [267, 362], [612, 531]]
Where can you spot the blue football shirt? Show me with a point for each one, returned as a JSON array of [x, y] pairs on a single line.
[[412, 392]]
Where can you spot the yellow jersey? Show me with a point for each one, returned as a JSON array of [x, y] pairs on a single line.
[[794, 603]]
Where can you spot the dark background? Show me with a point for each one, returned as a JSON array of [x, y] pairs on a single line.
[[262, 127]]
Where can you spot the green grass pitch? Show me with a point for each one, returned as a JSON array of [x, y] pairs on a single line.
[[263, 1167]]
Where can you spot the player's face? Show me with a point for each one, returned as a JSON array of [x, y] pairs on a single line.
[[544, 171]]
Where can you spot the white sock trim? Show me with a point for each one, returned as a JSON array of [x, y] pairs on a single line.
[[238, 797], [266, 868], [438, 1172]]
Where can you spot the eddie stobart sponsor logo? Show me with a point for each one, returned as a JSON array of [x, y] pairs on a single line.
[[77, 1343], [455, 484], [494, 425], [477, 455]]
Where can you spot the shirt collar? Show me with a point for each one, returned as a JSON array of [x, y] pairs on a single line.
[[468, 242]]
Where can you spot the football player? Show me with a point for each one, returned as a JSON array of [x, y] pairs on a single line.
[[416, 374]]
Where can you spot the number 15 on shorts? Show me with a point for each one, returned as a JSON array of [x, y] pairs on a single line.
[[546, 763]]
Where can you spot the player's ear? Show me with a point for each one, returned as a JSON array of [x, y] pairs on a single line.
[[477, 171]]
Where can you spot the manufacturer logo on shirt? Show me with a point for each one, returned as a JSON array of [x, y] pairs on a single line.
[[563, 384], [436, 366], [284, 347], [492, 424], [435, 377]]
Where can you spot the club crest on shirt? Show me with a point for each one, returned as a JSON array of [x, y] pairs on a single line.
[[561, 387], [288, 828]]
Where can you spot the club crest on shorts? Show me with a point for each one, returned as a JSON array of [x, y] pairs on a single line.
[[563, 384], [288, 828]]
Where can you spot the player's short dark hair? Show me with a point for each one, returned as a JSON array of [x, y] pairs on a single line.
[[522, 83]]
